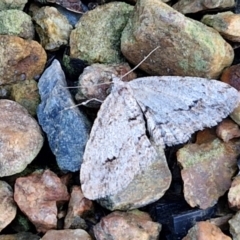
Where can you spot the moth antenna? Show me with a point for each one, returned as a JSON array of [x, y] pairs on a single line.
[[144, 59]]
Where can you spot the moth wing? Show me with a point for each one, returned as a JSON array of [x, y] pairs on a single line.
[[118, 148], [176, 107]]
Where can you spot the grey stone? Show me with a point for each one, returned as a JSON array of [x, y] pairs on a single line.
[[12, 4], [67, 128]]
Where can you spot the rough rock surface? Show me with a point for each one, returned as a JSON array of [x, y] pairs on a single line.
[[20, 236], [235, 115], [77, 234], [205, 231], [186, 47], [105, 23], [17, 23], [211, 165], [8, 208], [20, 59], [21, 138], [91, 81], [234, 226], [52, 27], [231, 75], [67, 128], [192, 6], [12, 4], [37, 195], [26, 94], [227, 130], [132, 225], [78, 207], [233, 194], [226, 23]]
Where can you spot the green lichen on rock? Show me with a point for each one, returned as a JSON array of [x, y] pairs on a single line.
[[16, 22], [96, 38], [12, 4]]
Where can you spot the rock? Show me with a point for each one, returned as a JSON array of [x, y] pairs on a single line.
[[95, 81], [221, 222], [37, 195], [206, 135], [130, 225], [231, 75], [78, 207], [17, 23], [227, 130], [192, 6], [26, 94], [235, 115], [21, 138], [205, 230], [77, 234], [20, 236], [186, 47], [52, 27], [9, 4], [104, 47], [233, 194], [211, 165], [20, 59], [8, 207], [234, 226], [226, 23], [66, 126]]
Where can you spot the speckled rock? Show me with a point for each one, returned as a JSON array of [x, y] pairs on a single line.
[[211, 165], [21, 138], [233, 194], [186, 47], [17, 23], [12, 4], [67, 127], [205, 231], [77, 234], [192, 6], [132, 225], [8, 208], [26, 94], [20, 59], [78, 207], [234, 226], [231, 75], [52, 27], [96, 38], [20, 236], [37, 196], [226, 23]]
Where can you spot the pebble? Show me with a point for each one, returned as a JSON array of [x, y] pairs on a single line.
[[234, 226], [233, 194], [20, 236], [37, 196], [21, 138], [16, 4]]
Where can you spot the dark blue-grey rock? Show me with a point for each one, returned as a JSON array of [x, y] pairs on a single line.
[[67, 128]]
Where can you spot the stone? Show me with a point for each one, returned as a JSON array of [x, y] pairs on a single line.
[[66, 126], [37, 195], [211, 165], [192, 6], [186, 47], [52, 27], [20, 59], [231, 75], [77, 234], [94, 38], [227, 130], [226, 23], [133, 171], [130, 225], [95, 81], [21, 138], [234, 226], [222, 221], [10, 4], [205, 230], [233, 194], [17, 23], [8, 208], [26, 94], [78, 207], [206, 135], [20, 236], [235, 115]]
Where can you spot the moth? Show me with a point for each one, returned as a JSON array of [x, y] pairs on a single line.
[[134, 124]]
